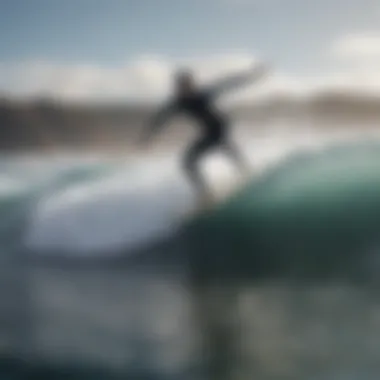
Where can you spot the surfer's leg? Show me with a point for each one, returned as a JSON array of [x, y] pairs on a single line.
[[233, 151], [191, 167]]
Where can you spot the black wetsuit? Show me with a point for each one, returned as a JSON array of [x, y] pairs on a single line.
[[213, 124]]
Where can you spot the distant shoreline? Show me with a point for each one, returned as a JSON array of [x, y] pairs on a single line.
[[45, 125]]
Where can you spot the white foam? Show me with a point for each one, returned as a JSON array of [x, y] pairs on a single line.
[[125, 209]]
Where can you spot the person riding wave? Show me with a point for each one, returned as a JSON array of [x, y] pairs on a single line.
[[198, 104]]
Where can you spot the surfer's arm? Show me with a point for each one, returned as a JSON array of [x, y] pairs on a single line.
[[158, 121], [233, 82]]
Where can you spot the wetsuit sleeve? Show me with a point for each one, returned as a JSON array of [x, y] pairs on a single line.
[[236, 81], [159, 119]]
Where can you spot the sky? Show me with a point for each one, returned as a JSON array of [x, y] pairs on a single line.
[[87, 49]]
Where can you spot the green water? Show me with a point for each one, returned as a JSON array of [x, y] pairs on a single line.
[[317, 214]]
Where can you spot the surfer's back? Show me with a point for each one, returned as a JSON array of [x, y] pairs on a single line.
[[200, 106]]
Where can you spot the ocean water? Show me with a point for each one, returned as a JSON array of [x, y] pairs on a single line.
[[102, 271]]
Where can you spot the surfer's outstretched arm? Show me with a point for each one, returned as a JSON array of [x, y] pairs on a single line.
[[257, 72], [158, 121]]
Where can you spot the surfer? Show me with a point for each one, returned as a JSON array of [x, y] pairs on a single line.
[[198, 104]]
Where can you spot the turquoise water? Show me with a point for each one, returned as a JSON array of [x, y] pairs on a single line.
[[315, 214]]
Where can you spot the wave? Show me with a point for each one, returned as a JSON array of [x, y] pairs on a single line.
[[89, 206], [124, 207], [315, 214]]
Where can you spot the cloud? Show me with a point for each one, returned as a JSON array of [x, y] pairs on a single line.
[[149, 77], [357, 46], [146, 77], [140, 78], [358, 56]]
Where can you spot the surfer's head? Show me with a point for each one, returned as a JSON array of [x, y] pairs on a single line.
[[184, 82]]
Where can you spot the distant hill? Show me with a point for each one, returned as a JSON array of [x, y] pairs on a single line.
[[43, 123]]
